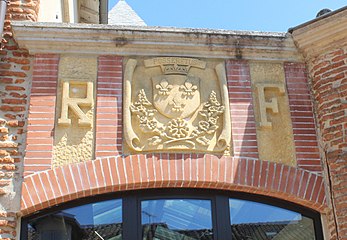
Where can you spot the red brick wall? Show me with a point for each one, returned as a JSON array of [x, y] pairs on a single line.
[[244, 172], [108, 141], [241, 109], [42, 109], [15, 72], [329, 84], [39, 143], [301, 111], [168, 170]]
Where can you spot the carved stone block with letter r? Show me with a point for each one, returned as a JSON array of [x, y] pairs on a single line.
[[75, 103]]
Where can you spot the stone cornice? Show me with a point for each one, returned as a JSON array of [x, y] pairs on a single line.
[[155, 41], [322, 34]]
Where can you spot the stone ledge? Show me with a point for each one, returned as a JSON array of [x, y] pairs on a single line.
[[154, 41]]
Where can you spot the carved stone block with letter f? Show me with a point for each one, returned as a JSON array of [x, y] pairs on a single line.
[[271, 104]]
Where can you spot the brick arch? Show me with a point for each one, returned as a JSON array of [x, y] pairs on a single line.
[[121, 173]]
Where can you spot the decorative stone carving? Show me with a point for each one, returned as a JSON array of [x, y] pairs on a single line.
[[275, 138], [268, 105], [75, 103], [176, 104]]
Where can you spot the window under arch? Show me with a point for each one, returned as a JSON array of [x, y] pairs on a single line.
[[170, 214]]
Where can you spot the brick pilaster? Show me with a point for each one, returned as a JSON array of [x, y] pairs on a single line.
[[301, 111], [244, 133], [108, 139], [41, 116]]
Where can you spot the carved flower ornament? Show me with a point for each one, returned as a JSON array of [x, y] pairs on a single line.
[[188, 89], [144, 112], [178, 128], [164, 87]]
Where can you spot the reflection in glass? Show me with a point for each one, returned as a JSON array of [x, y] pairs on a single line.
[[95, 221], [172, 219], [257, 221]]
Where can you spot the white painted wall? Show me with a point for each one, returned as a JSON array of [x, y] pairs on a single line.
[[73, 11], [50, 11]]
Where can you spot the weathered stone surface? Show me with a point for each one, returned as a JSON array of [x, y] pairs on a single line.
[[152, 41], [274, 132], [74, 132]]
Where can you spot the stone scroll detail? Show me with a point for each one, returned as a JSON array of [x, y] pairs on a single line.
[[175, 109]]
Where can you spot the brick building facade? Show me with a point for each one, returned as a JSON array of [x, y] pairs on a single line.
[[285, 125]]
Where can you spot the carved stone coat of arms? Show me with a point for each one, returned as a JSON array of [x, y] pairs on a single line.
[[176, 104]]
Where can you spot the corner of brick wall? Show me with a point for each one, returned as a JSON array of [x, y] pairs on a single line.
[[15, 73], [328, 74]]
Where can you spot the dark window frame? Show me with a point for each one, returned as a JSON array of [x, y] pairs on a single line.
[[131, 202]]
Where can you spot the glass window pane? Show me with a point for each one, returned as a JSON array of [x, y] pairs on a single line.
[[172, 219], [258, 221], [101, 220]]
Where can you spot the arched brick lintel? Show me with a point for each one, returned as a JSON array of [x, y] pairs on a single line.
[[121, 173]]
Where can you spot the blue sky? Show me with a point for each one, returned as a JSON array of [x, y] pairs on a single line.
[[266, 15]]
